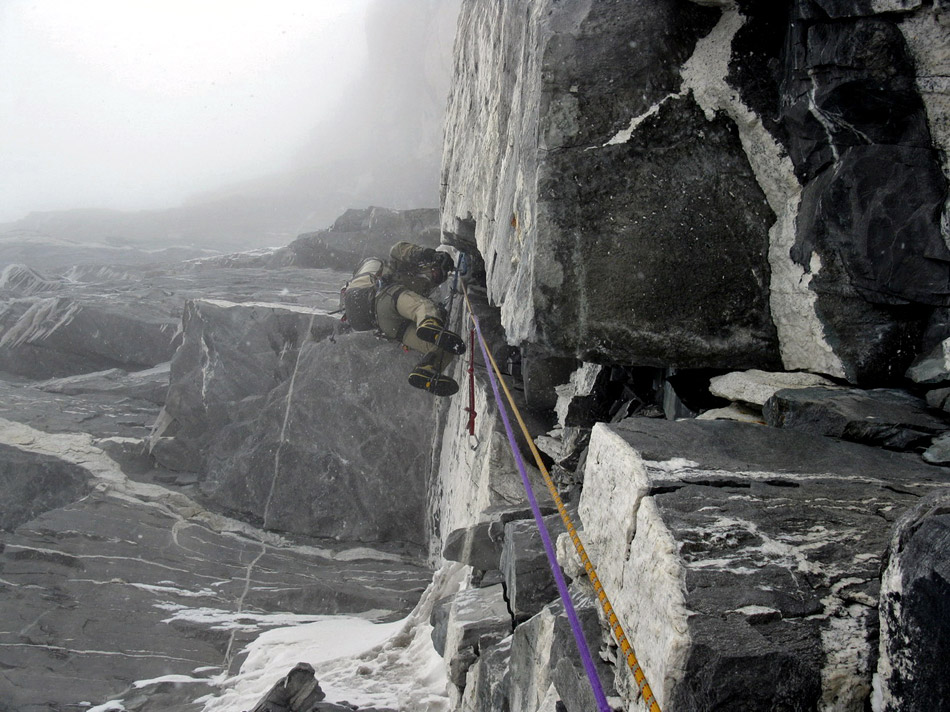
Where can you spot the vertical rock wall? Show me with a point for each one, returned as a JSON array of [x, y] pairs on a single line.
[[715, 184]]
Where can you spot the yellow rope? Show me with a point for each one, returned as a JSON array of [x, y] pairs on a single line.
[[625, 647]]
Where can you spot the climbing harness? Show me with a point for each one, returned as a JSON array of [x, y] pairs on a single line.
[[649, 700]]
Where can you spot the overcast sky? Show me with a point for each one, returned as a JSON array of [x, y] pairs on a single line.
[[136, 104]]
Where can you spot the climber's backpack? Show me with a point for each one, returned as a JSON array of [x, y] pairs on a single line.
[[359, 302]]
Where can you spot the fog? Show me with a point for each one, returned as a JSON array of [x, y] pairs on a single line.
[[297, 109]]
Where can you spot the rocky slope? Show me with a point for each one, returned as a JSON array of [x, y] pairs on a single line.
[[126, 580]]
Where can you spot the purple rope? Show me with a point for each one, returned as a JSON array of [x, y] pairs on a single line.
[[579, 638]]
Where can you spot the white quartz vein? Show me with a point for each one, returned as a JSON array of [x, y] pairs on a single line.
[[283, 429]]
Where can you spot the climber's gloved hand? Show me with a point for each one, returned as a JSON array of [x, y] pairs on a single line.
[[446, 262]]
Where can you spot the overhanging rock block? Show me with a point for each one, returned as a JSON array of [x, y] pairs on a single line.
[[596, 115], [744, 561]]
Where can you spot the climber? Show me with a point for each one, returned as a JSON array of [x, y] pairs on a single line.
[[391, 298]]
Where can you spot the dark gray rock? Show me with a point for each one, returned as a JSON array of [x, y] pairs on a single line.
[[779, 535], [33, 484], [530, 684], [439, 620], [480, 545], [528, 579], [939, 451], [149, 384], [915, 610], [47, 337], [887, 418], [304, 433], [633, 264], [109, 591], [856, 130], [487, 683], [478, 619], [541, 375], [932, 367], [937, 398], [298, 691], [611, 264], [569, 676]]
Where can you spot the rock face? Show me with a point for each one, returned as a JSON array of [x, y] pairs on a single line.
[[56, 336], [704, 184], [915, 628], [32, 485], [753, 560], [297, 430]]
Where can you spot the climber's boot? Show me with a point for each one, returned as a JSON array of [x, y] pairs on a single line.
[[426, 377], [433, 331]]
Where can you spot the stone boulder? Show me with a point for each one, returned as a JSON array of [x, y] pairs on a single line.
[[33, 484], [883, 417], [299, 429], [933, 367], [743, 561], [755, 387], [915, 627], [481, 544], [297, 691]]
